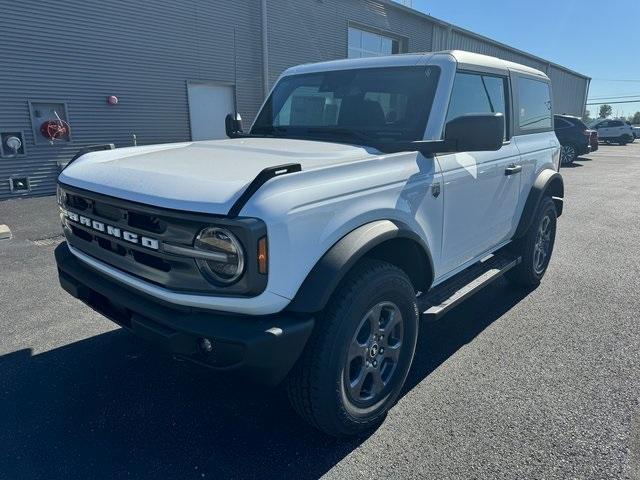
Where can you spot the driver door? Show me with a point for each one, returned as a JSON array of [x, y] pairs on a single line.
[[481, 189]]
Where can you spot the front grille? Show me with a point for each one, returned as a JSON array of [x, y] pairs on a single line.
[[168, 270], [96, 216], [77, 202], [150, 223]]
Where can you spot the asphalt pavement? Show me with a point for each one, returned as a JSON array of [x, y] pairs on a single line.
[[510, 385]]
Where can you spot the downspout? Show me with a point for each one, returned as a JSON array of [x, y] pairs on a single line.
[[265, 50]]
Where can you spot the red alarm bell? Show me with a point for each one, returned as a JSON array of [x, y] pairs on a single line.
[[54, 129]]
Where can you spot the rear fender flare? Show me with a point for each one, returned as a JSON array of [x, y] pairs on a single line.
[[548, 183]]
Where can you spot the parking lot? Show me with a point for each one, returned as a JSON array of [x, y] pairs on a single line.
[[541, 384]]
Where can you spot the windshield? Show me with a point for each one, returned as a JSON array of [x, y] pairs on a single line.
[[356, 106]]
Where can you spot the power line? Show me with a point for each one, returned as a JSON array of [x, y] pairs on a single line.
[[637, 100], [614, 97], [616, 80]]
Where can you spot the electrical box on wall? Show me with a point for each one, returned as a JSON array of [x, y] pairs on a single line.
[[12, 144], [50, 122], [19, 184]]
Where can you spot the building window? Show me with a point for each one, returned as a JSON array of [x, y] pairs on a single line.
[[368, 44]]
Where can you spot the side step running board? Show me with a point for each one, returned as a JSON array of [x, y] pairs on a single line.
[[435, 303]]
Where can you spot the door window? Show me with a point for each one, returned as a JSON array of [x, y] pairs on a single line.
[[534, 101], [474, 93]]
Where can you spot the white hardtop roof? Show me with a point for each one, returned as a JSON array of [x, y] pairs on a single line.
[[466, 60]]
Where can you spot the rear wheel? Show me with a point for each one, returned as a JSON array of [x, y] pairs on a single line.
[[623, 140], [535, 247], [360, 352], [568, 154]]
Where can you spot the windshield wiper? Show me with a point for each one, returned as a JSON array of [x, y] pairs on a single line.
[[368, 139], [269, 130], [378, 139]]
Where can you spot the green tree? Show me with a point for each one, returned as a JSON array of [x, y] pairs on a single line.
[[635, 119], [605, 111]]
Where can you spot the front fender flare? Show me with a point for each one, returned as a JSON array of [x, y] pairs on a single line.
[[548, 183], [326, 275]]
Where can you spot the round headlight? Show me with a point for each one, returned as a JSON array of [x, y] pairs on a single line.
[[226, 262]]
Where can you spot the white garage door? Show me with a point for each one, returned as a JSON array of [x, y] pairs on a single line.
[[209, 104]]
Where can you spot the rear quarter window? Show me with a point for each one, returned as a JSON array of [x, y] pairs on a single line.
[[534, 106]]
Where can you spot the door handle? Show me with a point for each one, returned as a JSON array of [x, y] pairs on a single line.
[[513, 169]]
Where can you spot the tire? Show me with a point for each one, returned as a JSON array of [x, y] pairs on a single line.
[[622, 141], [568, 154], [532, 268], [333, 384]]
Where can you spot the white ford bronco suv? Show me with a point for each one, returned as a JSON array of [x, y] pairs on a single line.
[[368, 194]]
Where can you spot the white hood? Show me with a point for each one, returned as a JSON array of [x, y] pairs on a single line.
[[197, 176]]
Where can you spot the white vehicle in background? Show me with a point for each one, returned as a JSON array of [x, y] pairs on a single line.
[[636, 132], [617, 131], [367, 193]]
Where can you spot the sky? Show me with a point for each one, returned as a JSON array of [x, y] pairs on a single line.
[[599, 39]]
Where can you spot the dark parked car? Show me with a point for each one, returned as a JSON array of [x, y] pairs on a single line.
[[573, 135], [593, 140]]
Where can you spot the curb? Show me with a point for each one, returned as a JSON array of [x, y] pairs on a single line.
[[5, 232]]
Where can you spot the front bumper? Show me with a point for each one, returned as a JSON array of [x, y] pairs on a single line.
[[263, 348]]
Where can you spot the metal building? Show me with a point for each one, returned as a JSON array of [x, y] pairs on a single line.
[[127, 72]]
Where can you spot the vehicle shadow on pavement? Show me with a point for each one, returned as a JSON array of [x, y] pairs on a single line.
[[439, 340], [110, 407]]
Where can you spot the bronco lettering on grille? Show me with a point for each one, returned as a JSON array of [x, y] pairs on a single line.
[[113, 231]]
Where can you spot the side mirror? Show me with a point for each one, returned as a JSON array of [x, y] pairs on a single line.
[[233, 125], [475, 132]]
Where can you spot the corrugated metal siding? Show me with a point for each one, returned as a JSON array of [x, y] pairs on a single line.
[[569, 91], [460, 41], [306, 31], [143, 52]]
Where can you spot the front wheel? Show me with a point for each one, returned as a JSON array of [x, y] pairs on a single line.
[[358, 357], [535, 247]]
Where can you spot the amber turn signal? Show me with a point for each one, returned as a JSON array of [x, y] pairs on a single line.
[[263, 256]]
